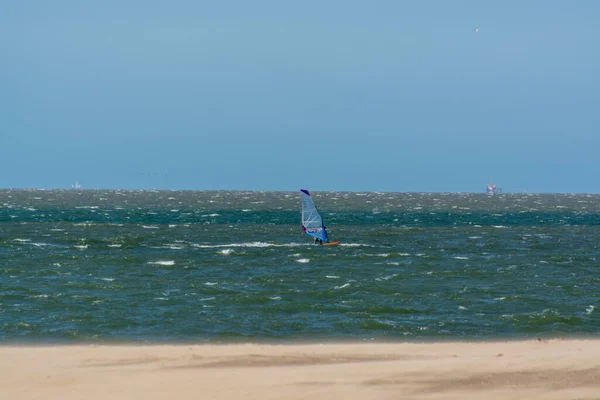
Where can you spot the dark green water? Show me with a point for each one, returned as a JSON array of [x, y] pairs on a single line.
[[96, 266]]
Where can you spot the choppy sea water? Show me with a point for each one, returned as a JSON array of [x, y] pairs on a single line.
[[178, 266]]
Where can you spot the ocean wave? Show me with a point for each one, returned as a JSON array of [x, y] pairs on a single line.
[[250, 244], [589, 310], [171, 246], [387, 277], [164, 263]]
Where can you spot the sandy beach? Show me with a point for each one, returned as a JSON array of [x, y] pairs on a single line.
[[554, 369]]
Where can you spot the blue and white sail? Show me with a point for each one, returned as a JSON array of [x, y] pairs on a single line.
[[312, 223]]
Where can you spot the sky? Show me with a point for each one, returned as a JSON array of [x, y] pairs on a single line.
[[399, 96]]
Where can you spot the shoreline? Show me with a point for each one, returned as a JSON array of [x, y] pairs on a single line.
[[532, 369], [35, 342]]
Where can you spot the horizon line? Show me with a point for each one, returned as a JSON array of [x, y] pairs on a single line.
[[285, 190]]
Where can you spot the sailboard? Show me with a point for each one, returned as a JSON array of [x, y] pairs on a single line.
[[312, 223]]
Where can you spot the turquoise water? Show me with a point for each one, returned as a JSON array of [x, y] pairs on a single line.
[[104, 266]]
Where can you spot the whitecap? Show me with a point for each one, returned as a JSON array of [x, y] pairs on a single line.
[[22, 240], [115, 245], [589, 309], [81, 246], [461, 258], [207, 299], [165, 263], [303, 260], [387, 277], [275, 298], [331, 276], [210, 283], [249, 244], [226, 252], [342, 286], [150, 227]]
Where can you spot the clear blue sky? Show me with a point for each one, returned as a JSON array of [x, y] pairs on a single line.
[[278, 95]]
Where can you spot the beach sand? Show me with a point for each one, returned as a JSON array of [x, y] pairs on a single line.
[[554, 369]]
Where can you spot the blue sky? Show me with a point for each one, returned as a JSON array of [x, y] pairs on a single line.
[[324, 95]]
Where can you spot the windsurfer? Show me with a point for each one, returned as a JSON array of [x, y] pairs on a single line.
[[318, 241]]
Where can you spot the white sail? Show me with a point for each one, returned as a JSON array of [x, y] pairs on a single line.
[[312, 223]]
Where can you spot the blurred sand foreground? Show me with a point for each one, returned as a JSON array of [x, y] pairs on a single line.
[[555, 369]]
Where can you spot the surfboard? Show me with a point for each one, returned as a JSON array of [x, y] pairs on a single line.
[[331, 243]]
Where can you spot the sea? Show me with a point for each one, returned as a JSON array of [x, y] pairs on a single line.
[[123, 266]]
